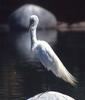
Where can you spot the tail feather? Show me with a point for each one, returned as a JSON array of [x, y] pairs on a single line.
[[60, 71]]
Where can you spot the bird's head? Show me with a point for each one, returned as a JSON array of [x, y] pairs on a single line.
[[34, 20]]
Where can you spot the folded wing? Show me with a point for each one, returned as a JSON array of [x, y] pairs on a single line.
[[52, 62]]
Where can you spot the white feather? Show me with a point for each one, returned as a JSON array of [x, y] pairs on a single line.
[[47, 56], [51, 61]]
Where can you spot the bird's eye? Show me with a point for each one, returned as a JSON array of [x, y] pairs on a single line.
[[32, 21]]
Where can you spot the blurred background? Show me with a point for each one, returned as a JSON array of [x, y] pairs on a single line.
[[18, 82]]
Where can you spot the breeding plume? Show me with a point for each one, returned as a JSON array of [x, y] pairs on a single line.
[[46, 55]]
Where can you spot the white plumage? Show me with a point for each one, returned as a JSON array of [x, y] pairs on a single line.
[[47, 56]]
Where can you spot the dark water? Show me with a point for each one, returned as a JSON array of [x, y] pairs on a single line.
[[18, 82]]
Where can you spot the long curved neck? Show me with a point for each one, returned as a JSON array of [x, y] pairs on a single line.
[[33, 36]]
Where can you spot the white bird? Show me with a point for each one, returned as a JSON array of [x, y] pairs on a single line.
[[46, 55], [51, 95]]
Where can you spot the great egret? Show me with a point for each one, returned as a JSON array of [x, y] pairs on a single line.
[[51, 95], [46, 55]]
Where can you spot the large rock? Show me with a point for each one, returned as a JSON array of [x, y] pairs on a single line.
[[51, 95], [19, 36]]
